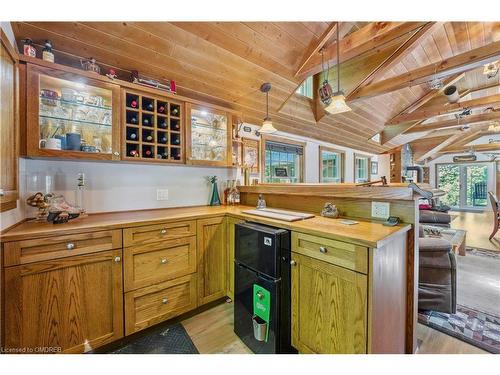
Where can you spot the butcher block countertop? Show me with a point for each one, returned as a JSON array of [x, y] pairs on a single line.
[[366, 233]]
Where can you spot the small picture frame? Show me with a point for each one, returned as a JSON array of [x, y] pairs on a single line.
[[374, 167], [250, 154]]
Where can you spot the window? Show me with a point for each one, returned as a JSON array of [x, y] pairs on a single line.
[[331, 165], [361, 168], [306, 89], [283, 161]]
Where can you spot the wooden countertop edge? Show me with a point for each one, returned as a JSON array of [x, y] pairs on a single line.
[[189, 214]]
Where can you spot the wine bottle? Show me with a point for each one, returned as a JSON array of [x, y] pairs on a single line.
[[163, 139], [175, 111], [133, 103], [164, 155], [176, 140], [134, 153], [161, 109], [163, 124], [150, 106], [133, 120], [149, 138], [176, 125], [148, 153], [132, 136], [145, 121]]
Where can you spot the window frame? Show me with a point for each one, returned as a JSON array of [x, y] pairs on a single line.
[[341, 166], [309, 81], [368, 166], [291, 142]]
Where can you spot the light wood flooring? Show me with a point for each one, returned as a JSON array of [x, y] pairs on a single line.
[[478, 227], [212, 332]]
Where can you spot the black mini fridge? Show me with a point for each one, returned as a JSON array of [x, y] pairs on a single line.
[[262, 258]]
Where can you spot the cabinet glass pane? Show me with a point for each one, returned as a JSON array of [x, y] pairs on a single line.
[[208, 136], [74, 116]]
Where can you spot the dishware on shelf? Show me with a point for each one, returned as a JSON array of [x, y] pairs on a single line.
[[50, 143], [62, 138], [73, 141]]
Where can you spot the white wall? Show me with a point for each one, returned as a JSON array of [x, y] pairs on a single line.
[[448, 158]]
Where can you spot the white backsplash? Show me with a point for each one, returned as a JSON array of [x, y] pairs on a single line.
[[123, 186]]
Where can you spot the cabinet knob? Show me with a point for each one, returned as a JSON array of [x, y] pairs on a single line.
[[163, 231], [117, 259], [164, 301], [70, 246], [163, 260], [293, 263], [116, 153], [323, 249]]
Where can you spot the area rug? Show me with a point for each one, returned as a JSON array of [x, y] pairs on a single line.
[[165, 340], [472, 326]]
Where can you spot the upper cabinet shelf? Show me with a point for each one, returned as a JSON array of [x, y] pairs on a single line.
[[71, 116], [208, 136]]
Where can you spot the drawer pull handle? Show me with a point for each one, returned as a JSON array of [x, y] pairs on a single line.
[[70, 246], [164, 301], [163, 231], [293, 263], [163, 260], [323, 249], [117, 259]]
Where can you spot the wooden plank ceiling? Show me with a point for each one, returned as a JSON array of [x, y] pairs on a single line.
[[226, 62]]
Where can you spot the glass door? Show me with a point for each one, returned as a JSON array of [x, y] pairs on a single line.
[[466, 185]]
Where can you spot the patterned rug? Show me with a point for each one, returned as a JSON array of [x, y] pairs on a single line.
[[469, 325], [164, 340]]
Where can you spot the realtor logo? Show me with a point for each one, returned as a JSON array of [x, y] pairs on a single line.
[[268, 241]]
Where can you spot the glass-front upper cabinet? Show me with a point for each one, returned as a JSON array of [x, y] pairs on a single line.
[[208, 140], [71, 116]]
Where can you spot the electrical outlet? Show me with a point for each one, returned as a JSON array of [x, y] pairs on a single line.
[[162, 194], [381, 209]]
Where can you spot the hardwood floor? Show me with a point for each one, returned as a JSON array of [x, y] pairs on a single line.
[[478, 227], [212, 332], [435, 342]]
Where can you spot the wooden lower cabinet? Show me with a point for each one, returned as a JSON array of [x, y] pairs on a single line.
[[230, 235], [73, 303], [329, 308], [156, 303], [211, 259]]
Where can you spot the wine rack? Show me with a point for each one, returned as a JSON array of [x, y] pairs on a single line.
[[153, 128]]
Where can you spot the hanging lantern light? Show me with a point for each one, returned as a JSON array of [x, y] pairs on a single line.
[[267, 124]]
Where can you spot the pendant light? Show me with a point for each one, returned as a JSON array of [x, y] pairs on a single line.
[[267, 125], [335, 102]]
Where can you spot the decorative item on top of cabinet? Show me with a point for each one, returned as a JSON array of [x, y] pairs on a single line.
[[208, 136], [211, 237], [65, 305], [9, 121], [152, 128], [71, 116]]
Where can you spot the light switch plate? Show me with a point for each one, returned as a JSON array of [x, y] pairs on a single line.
[[162, 194], [381, 209]]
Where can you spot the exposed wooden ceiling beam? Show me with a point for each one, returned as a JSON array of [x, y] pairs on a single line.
[[316, 105], [435, 150], [477, 148], [472, 136], [456, 64], [316, 46], [370, 37], [399, 54], [469, 120], [441, 109]]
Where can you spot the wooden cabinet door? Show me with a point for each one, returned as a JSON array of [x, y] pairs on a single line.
[[329, 308], [9, 150], [75, 304], [230, 222], [211, 239]]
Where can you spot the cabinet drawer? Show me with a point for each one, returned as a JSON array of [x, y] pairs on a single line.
[[335, 252], [55, 247], [160, 261], [154, 304], [160, 232]]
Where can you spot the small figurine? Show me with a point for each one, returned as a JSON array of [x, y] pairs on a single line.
[[112, 74], [261, 203], [90, 65], [329, 210], [28, 48], [47, 53], [39, 201]]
